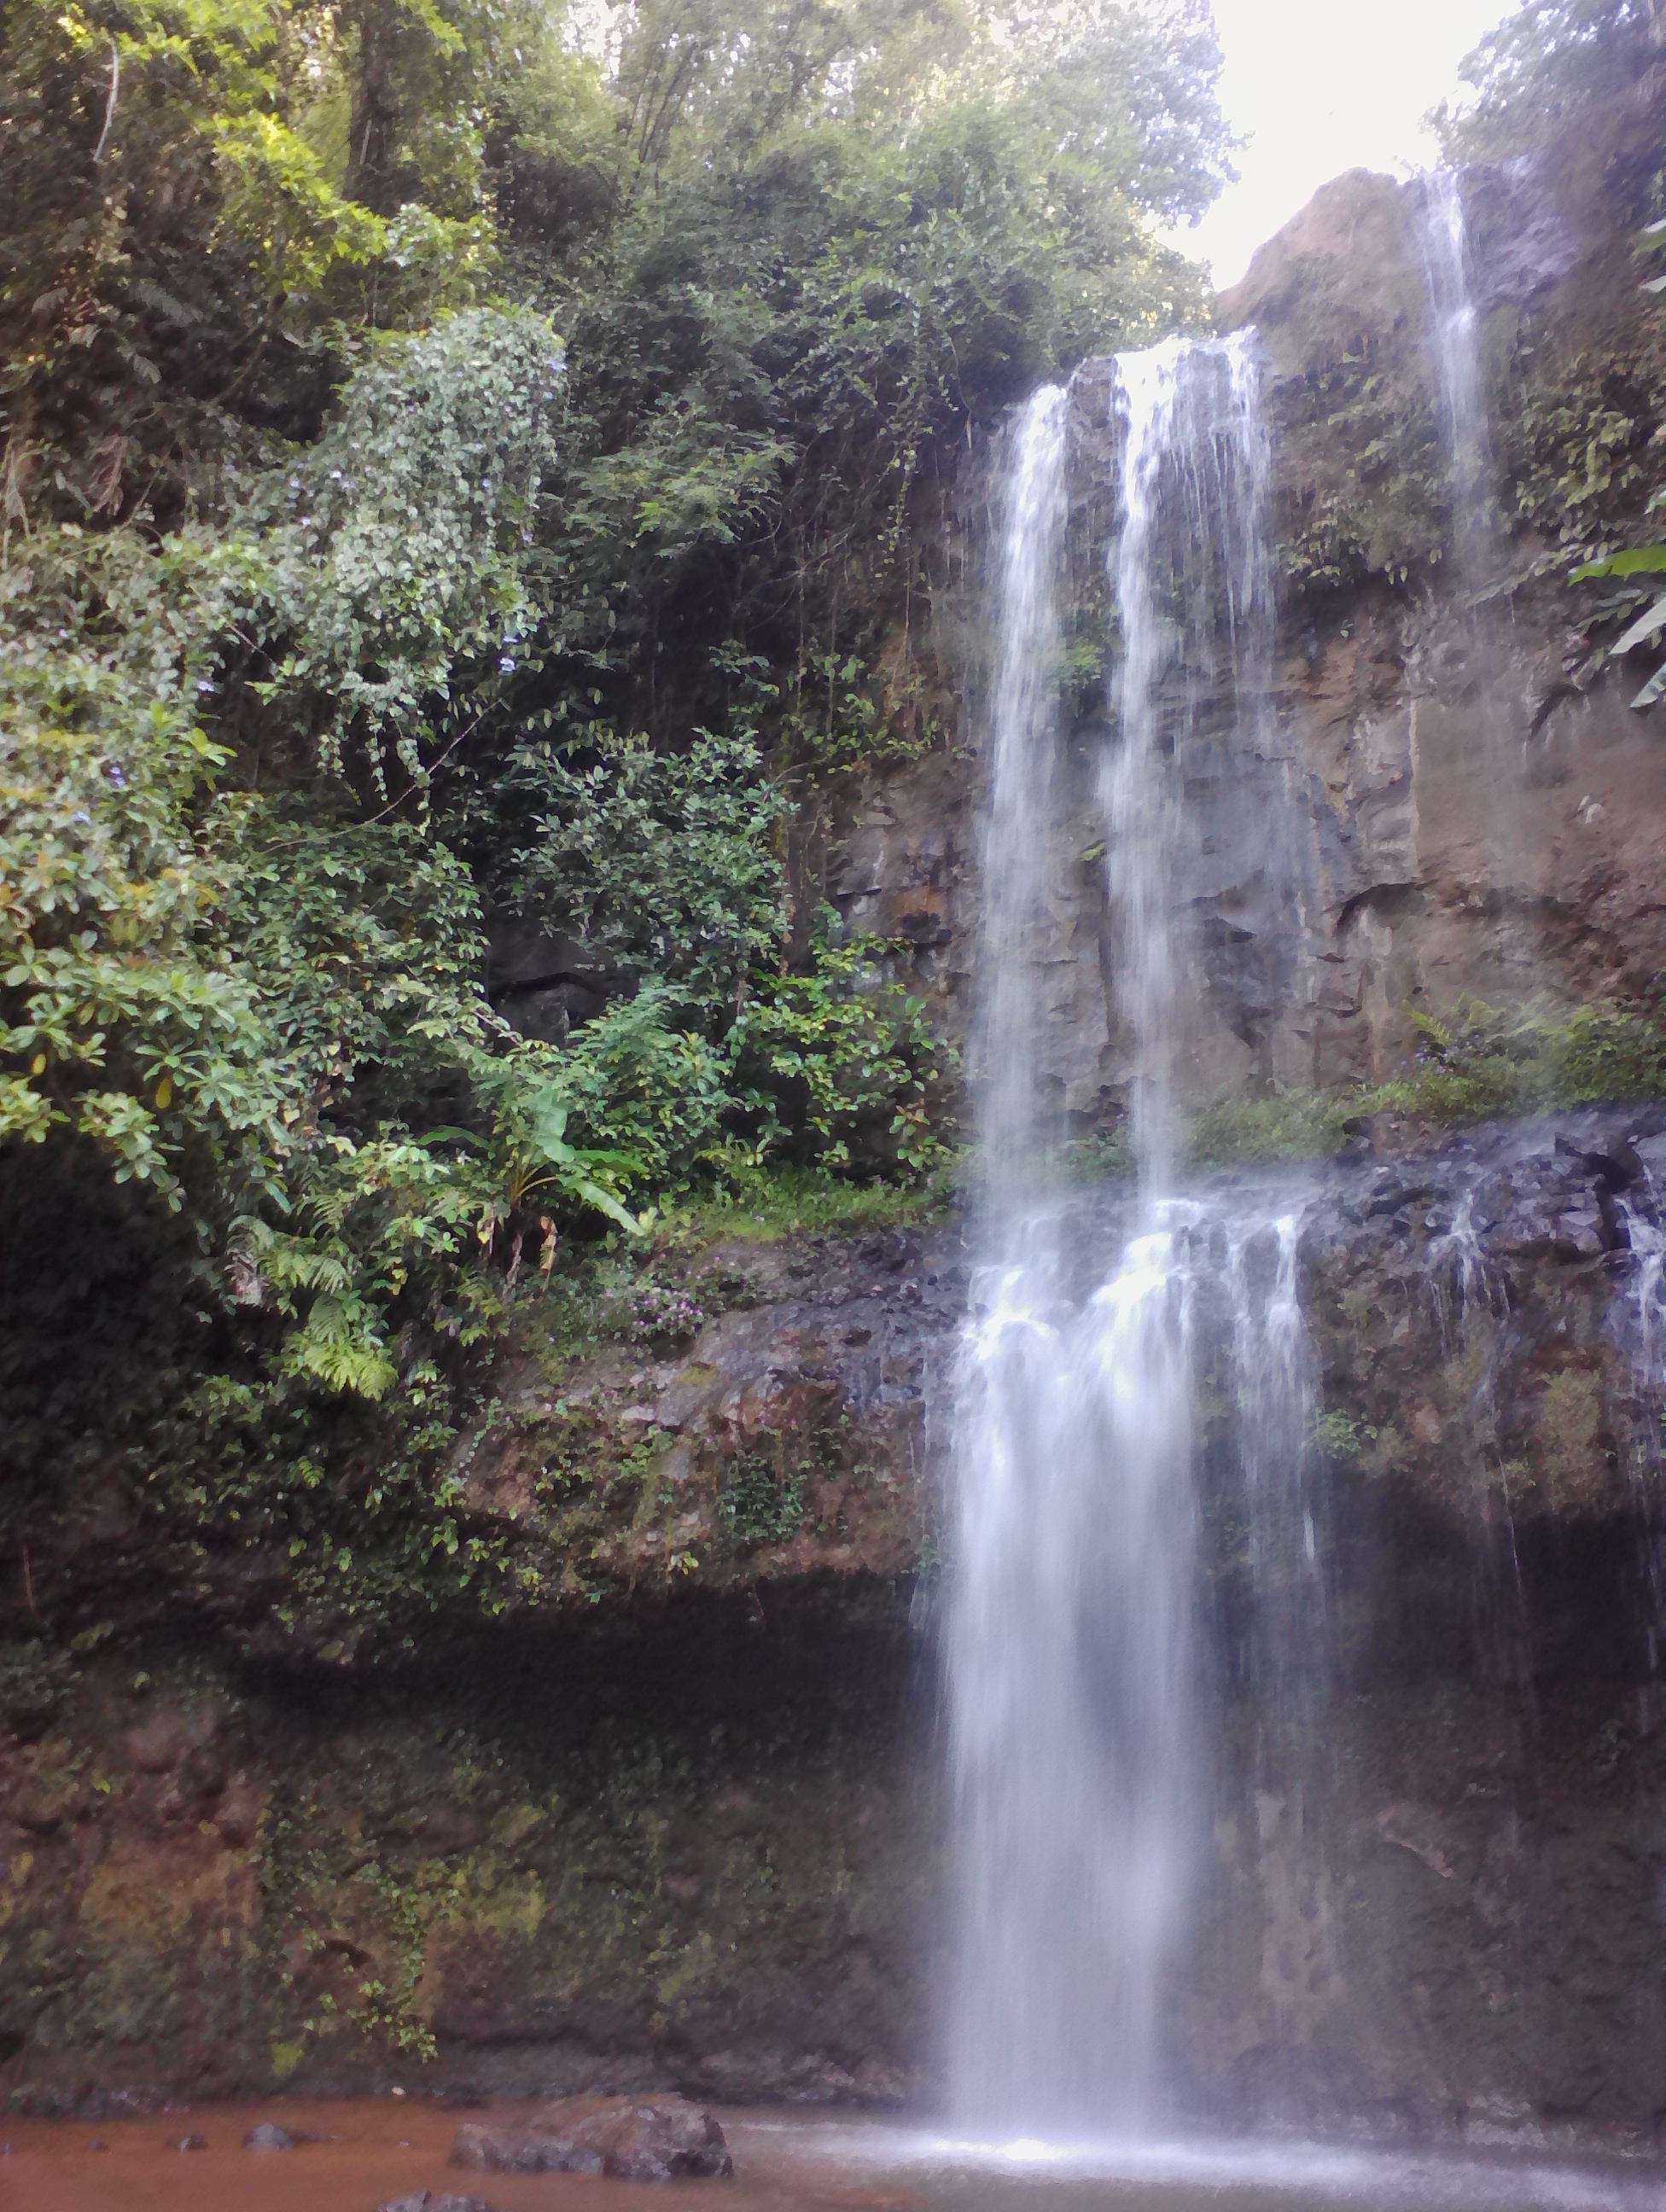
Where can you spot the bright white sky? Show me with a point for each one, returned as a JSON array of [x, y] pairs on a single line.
[[1321, 85]]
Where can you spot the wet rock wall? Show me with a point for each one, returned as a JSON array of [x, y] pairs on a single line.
[[683, 1826]]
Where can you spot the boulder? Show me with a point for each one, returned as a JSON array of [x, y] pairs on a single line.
[[632, 2138], [424, 2200], [544, 982], [268, 2136]]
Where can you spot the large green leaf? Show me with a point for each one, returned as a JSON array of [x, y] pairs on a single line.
[[1641, 560]]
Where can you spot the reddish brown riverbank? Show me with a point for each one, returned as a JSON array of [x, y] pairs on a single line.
[[370, 2151]]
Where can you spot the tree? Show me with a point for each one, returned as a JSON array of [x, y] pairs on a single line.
[[1547, 61]]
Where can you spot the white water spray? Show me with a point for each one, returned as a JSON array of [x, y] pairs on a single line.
[[1190, 572]]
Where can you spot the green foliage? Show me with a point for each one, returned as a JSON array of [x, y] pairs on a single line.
[[642, 1089], [1548, 61], [397, 544], [764, 1200], [757, 1503], [326, 590], [113, 1026], [164, 216], [1486, 1064], [1583, 456], [34, 1681], [1295, 1125], [1643, 628], [1343, 1438], [1391, 518], [796, 326], [665, 863], [841, 1067]]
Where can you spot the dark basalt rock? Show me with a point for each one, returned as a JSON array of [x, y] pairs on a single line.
[[631, 2138], [268, 2136]]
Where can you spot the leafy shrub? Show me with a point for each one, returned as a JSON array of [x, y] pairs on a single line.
[[113, 1022], [665, 860], [324, 590], [1486, 1065], [396, 545], [1546, 63], [840, 1067], [1295, 1125], [757, 1504]]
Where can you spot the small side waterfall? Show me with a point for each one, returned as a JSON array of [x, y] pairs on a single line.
[[1074, 1653]]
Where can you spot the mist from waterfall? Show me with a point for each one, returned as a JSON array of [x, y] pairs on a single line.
[[1078, 1738]]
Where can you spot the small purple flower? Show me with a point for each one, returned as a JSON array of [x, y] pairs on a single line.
[[658, 1310]]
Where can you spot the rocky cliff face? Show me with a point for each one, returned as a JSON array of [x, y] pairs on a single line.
[[675, 1819], [1448, 798]]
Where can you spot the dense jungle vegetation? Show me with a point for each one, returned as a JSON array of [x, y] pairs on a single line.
[[471, 472]]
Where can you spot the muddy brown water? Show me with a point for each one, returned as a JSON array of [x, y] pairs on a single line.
[[374, 2150]]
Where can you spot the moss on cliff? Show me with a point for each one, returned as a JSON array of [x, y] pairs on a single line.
[[1486, 1066]]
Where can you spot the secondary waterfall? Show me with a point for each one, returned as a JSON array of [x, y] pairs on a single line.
[[1075, 1641]]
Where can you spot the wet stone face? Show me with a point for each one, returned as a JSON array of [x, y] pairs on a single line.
[[696, 1840]]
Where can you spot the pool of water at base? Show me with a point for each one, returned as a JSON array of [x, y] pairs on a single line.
[[370, 2151]]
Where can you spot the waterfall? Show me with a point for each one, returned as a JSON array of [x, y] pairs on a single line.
[[1443, 237], [1022, 770], [1189, 567], [1069, 1664], [1073, 1647]]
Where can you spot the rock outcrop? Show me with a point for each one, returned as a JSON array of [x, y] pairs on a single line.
[[685, 1833], [629, 2138]]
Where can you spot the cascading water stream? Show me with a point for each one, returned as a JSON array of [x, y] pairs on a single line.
[[1073, 1654], [1068, 1775], [1189, 570], [1022, 770], [1444, 243]]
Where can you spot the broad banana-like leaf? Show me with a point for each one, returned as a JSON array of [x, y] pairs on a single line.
[[1652, 619], [605, 1202], [1653, 689], [1641, 561]]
